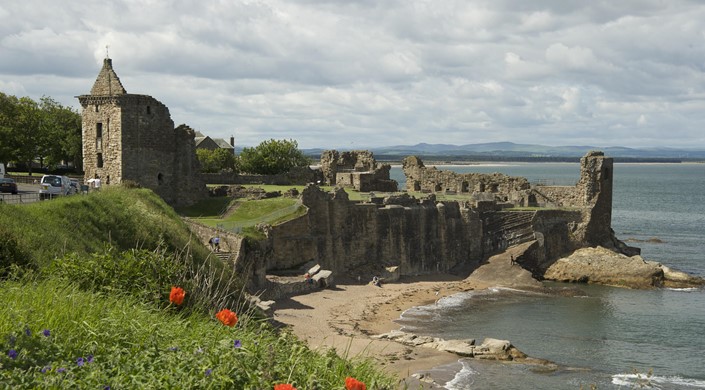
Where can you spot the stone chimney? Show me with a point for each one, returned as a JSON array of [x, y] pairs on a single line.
[[232, 141]]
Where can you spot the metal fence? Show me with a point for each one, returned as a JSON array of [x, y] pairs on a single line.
[[19, 198], [27, 198]]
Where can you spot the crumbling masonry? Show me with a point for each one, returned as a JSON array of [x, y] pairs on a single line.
[[128, 137]]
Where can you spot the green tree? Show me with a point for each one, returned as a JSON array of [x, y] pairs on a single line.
[[26, 136], [46, 131], [272, 157], [217, 160], [8, 115], [61, 130]]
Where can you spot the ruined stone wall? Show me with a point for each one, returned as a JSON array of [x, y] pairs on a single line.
[[148, 142], [420, 178], [133, 138], [424, 237], [296, 176], [356, 169], [556, 196]]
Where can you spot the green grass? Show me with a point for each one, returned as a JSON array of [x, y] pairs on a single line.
[[124, 343], [125, 218], [103, 265], [209, 207]]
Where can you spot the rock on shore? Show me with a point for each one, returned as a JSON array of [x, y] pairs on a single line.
[[603, 266], [491, 349]]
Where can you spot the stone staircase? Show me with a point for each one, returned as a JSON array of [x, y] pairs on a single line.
[[508, 228], [224, 256]]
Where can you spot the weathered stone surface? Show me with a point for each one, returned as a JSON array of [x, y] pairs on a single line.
[[356, 169], [323, 279], [492, 349], [128, 137], [603, 266]]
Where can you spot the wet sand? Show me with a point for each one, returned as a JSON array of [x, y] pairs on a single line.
[[346, 316]]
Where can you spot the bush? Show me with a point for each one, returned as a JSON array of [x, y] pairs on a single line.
[[12, 256]]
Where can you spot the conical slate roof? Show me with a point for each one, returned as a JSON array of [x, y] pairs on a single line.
[[107, 83]]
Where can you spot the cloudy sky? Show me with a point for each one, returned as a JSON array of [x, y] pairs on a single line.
[[365, 73]]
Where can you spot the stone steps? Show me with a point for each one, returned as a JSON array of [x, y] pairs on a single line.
[[508, 229]]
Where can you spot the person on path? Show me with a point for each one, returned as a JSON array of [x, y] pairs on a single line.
[[216, 243]]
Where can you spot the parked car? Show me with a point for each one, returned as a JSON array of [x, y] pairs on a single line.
[[8, 185], [75, 186], [54, 185]]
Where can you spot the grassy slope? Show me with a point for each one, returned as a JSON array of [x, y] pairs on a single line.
[[126, 218], [134, 343]]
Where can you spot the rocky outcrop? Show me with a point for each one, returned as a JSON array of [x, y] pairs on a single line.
[[490, 349], [603, 266]]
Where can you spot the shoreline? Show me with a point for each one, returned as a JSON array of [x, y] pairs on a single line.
[[346, 317]]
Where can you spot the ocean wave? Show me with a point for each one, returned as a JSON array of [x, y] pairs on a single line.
[[656, 382], [685, 289], [462, 379]]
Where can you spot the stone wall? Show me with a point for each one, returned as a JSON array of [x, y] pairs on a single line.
[[356, 169], [424, 236], [420, 178], [132, 137], [296, 176]]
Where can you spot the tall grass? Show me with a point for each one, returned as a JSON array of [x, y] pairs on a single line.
[[124, 218], [92, 309]]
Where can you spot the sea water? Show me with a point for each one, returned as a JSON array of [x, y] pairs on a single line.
[[607, 337]]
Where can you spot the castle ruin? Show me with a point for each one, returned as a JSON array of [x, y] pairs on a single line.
[[129, 137], [425, 236], [356, 169]]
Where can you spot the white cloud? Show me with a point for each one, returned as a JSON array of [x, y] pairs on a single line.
[[339, 73]]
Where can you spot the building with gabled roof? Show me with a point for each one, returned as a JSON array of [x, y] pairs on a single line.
[[130, 137]]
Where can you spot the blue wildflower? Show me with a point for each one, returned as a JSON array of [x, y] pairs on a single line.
[[27, 331], [237, 344], [208, 372], [89, 359], [60, 370], [173, 349], [80, 362], [45, 369], [12, 354], [46, 332]]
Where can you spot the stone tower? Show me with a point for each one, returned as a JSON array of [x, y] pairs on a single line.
[[128, 137]]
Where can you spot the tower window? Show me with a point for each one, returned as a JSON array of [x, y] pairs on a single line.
[[149, 110], [96, 108], [99, 136], [99, 162]]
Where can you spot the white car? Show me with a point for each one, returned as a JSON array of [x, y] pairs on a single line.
[[54, 185]]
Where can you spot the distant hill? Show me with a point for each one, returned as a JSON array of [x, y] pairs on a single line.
[[513, 151]]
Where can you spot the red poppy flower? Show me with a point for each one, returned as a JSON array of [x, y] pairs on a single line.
[[177, 295], [354, 384], [227, 317], [284, 386]]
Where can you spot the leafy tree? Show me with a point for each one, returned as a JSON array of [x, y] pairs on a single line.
[[8, 114], [272, 157], [61, 128], [26, 135], [218, 160], [30, 131]]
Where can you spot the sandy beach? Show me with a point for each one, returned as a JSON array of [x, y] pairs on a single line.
[[346, 316]]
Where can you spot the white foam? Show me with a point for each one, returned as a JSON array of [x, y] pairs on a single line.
[[463, 379], [656, 382], [687, 289]]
